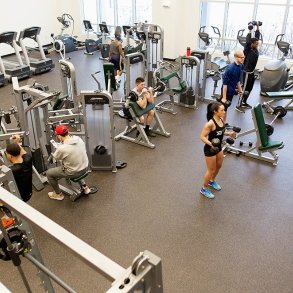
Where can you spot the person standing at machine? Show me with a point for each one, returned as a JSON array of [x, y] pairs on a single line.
[[231, 80], [251, 57], [116, 55]]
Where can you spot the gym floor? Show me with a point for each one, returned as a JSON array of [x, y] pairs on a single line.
[[241, 241]]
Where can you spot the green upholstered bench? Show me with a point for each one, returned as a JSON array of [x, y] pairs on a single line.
[[109, 73], [139, 111], [266, 144]]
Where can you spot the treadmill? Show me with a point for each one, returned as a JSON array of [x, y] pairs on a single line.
[[12, 68], [37, 66]]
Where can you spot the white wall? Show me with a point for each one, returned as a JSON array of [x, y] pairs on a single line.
[[17, 15], [180, 24]]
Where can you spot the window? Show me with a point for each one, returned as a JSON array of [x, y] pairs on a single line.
[[124, 9], [107, 12], [208, 19], [289, 27], [276, 15], [117, 12], [143, 11], [236, 23]]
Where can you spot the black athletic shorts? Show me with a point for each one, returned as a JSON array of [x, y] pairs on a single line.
[[207, 151]]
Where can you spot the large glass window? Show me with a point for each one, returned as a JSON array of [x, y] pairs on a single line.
[[276, 15], [124, 9], [107, 12], [212, 14], [236, 23], [289, 27], [90, 10], [117, 12], [143, 11]]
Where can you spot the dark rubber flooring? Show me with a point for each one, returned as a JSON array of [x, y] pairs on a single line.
[[239, 242]]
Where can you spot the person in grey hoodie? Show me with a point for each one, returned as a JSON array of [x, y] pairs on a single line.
[[71, 153]]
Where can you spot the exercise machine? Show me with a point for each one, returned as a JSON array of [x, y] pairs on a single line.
[[37, 66], [65, 41], [152, 38], [208, 68], [91, 45], [263, 142], [275, 76], [2, 79], [187, 83], [207, 40], [143, 275], [277, 97], [140, 138], [13, 68]]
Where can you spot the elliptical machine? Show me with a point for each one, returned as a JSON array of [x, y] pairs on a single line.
[[64, 40], [275, 76], [91, 45]]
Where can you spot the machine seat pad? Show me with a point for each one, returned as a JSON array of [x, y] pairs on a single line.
[[77, 179], [139, 111], [180, 88], [279, 95], [168, 76]]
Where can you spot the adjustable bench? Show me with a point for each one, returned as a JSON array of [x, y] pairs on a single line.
[[141, 138], [278, 96], [263, 143]]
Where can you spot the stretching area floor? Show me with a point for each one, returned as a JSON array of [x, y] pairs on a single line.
[[239, 242]]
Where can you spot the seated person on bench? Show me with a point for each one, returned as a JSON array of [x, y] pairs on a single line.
[[71, 153], [142, 96], [22, 167]]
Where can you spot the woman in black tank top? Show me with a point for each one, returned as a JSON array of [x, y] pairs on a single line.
[[214, 128]]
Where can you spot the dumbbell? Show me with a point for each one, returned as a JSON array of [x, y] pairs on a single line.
[[241, 143], [251, 24], [226, 104], [216, 143], [230, 141], [234, 128]]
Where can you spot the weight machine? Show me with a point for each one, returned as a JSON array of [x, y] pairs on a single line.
[[18, 240], [187, 86], [208, 68]]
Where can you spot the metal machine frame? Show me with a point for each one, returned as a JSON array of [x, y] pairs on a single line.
[[144, 275]]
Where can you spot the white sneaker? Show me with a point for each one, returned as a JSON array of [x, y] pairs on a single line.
[[57, 196]]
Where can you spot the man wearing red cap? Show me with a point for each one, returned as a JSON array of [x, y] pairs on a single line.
[[71, 153]]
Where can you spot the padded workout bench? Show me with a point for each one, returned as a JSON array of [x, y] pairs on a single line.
[[142, 138], [278, 96], [263, 143]]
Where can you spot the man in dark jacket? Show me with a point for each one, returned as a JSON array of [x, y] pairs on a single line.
[[251, 57], [22, 167]]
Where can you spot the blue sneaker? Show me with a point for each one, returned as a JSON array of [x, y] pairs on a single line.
[[207, 193], [215, 185]]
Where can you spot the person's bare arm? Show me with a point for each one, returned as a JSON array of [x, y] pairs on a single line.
[[208, 127]]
